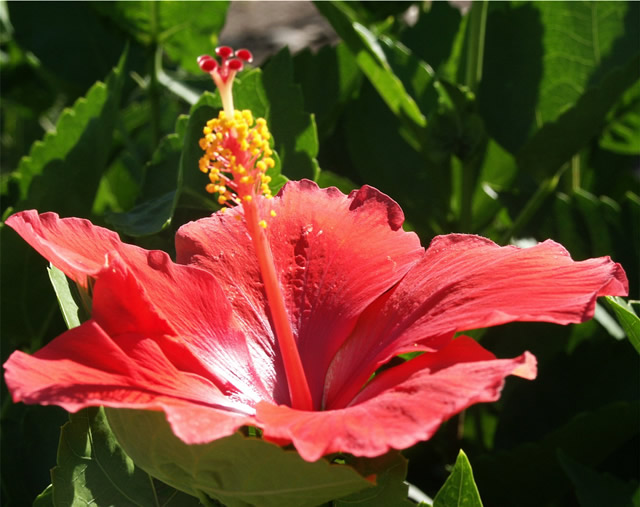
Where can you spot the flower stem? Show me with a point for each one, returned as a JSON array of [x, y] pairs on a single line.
[[296, 379], [475, 44], [155, 52]]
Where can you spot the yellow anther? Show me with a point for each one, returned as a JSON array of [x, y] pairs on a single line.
[[237, 154]]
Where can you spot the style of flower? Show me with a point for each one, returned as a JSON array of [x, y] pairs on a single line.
[[286, 313]]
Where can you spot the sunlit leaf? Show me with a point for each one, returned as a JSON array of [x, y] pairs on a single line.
[[628, 319], [235, 470], [69, 299], [63, 170], [372, 61], [93, 469], [460, 488], [184, 31], [557, 141]]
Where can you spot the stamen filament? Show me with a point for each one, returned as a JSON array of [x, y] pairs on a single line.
[[296, 378]]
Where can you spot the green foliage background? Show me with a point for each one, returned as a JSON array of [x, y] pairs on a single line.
[[518, 121]]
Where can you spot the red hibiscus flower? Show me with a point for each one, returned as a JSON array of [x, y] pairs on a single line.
[[196, 338], [278, 312]]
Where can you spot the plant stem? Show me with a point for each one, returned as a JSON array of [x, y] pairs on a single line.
[[154, 87], [545, 189], [575, 172], [473, 76], [475, 43]]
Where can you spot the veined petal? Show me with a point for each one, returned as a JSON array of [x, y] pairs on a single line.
[[397, 415], [335, 255], [195, 325], [466, 282], [86, 367]]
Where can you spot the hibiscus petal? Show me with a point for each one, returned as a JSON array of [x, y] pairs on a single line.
[[401, 414], [335, 255], [73, 245], [194, 325], [466, 282], [86, 367], [198, 313]]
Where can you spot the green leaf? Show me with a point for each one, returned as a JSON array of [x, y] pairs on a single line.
[[236, 470], [583, 42], [328, 79], [185, 31], [62, 172], [294, 130], [159, 195], [594, 489], [328, 179], [44, 499], [460, 488], [371, 59], [628, 319], [542, 58], [557, 141], [437, 38], [93, 469], [390, 471], [73, 306], [622, 133], [147, 218]]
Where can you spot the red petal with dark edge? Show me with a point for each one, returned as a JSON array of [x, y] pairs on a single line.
[[466, 282], [335, 255], [402, 414]]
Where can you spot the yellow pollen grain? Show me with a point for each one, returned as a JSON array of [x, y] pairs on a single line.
[[262, 224], [272, 213]]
